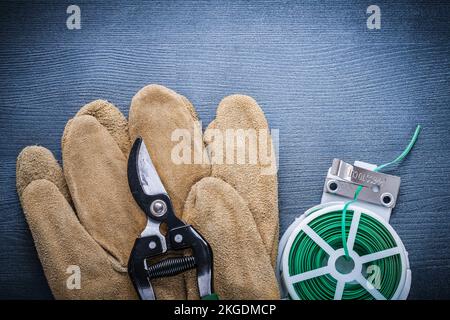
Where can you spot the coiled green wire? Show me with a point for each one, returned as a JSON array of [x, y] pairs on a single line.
[[372, 236], [333, 227]]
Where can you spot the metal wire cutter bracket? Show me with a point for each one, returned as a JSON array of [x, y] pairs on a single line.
[[150, 194]]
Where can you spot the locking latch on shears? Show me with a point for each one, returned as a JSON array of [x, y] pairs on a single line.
[[151, 196]]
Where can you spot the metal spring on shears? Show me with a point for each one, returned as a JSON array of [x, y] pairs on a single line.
[[171, 267]]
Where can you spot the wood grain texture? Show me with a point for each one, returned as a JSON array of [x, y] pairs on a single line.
[[332, 87]]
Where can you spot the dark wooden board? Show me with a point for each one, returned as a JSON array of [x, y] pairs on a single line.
[[331, 86]]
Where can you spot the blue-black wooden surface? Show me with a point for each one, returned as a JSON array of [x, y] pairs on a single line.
[[332, 87]]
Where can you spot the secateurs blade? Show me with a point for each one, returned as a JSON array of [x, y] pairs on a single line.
[[151, 196]]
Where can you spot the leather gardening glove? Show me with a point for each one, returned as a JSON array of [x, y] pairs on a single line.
[[84, 216], [234, 206], [242, 228]]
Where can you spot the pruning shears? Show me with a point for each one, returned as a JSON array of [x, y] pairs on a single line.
[[151, 196]]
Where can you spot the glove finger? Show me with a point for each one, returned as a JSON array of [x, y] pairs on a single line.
[[112, 119], [242, 268], [96, 173], [160, 115], [34, 163], [63, 245], [255, 180]]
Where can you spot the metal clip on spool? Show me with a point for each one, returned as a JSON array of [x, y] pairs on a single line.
[[310, 250], [380, 192]]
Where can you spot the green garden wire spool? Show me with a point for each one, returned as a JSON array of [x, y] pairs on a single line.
[[312, 263]]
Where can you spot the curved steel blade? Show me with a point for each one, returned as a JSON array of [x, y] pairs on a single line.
[[148, 176], [142, 175], [144, 182]]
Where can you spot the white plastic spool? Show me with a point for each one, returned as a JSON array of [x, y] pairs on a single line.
[[379, 213]]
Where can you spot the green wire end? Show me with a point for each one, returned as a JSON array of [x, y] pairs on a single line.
[[377, 169]]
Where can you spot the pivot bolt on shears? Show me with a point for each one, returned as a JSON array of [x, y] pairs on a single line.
[[151, 196]]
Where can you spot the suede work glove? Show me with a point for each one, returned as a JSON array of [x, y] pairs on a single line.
[[83, 216]]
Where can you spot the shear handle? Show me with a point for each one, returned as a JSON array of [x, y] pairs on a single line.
[[201, 251], [137, 268]]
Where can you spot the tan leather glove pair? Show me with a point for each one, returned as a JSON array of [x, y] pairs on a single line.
[[83, 217]]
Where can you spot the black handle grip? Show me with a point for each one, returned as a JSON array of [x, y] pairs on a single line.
[[170, 267]]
